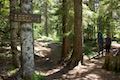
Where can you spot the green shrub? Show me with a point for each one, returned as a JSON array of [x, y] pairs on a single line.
[[38, 77], [87, 50]]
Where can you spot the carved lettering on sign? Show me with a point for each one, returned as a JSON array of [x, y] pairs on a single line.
[[20, 17]]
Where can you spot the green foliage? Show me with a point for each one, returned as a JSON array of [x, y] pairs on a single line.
[[90, 47], [108, 10], [87, 50], [4, 29], [37, 77], [55, 13], [4, 23], [89, 22], [38, 30], [53, 20]]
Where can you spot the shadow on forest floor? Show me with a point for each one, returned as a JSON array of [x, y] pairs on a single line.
[[5, 60], [92, 70], [46, 57]]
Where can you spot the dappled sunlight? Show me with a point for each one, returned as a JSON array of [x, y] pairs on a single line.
[[59, 40], [42, 51], [46, 66], [11, 72], [93, 77], [91, 70], [52, 71], [4, 49], [78, 71]]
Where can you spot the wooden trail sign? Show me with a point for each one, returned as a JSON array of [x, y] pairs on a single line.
[[22, 17]]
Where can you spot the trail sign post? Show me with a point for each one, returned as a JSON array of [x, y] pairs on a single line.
[[22, 17]]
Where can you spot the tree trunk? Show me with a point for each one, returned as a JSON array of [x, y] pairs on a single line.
[[107, 55], [27, 43], [14, 36], [91, 5], [77, 52], [107, 61], [66, 45], [46, 18], [112, 63], [117, 62]]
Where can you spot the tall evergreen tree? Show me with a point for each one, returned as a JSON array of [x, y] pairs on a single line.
[[77, 46], [46, 17], [14, 36], [27, 43], [66, 45]]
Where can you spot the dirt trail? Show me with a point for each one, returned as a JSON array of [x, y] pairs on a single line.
[[92, 70], [47, 55]]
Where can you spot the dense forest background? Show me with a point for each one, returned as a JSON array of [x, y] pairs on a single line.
[[73, 25], [51, 12]]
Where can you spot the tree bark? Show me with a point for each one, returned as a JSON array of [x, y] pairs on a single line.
[[107, 61], [108, 54], [66, 41], [14, 36], [46, 18], [27, 43], [78, 41]]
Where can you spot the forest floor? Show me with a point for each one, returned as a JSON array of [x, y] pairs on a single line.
[[47, 55]]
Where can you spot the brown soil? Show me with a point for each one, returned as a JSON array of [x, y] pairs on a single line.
[[47, 55]]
